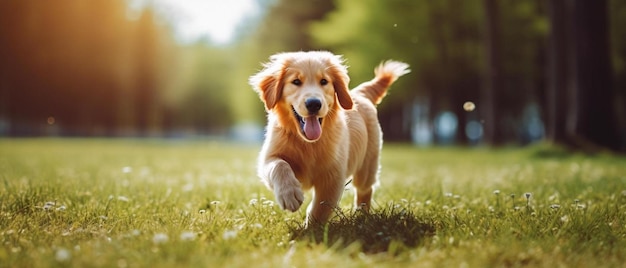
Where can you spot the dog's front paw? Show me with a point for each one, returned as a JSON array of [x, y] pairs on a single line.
[[289, 197]]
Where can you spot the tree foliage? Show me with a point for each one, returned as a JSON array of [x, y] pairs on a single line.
[[100, 68], [90, 68], [461, 50]]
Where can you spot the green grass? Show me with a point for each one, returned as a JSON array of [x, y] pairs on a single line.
[[153, 203]]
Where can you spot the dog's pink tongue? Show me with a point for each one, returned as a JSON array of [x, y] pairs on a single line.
[[312, 128]]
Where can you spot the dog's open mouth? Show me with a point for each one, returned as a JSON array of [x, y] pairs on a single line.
[[311, 126]]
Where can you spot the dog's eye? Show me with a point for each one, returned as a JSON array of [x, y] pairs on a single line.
[[296, 82], [323, 82]]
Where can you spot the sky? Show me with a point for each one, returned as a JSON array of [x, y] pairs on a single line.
[[196, 19]]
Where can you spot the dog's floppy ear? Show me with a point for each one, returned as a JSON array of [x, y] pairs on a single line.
[[339, 73], [269, 81]]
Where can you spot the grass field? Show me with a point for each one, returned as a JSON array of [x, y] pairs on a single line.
[[155, 203]]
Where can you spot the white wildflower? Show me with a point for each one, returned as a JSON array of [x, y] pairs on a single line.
[[127, 169], [123, 198], [49, 205], [187, 236], [555, 206], [63, 255], [160, 238], [227, 235]]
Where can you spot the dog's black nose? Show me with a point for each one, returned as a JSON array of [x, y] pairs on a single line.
[[313, 105]]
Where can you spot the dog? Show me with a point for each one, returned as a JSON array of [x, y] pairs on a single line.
[[319, 133]]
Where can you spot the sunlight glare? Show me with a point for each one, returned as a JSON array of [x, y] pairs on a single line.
[[196, 19]]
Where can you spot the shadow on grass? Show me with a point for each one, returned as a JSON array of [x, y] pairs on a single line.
[[550, 152], [384, 230], [546, 150]]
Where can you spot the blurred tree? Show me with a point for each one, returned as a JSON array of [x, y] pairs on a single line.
[[446, 43], [582, 96], [99, 71], [559, 71], [146, 101], [204, 101], [595, 117], [285, 26], [441, 40], [617, 16], [59, 61], [86, 65], [490, 99]]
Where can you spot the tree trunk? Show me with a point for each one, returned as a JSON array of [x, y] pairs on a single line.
[[489, 95], [595, 122], [580, 93], [558, 75]]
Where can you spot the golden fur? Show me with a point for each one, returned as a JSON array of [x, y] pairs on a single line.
[[345, 143]]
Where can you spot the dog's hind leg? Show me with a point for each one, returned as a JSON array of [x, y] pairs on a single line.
[[364, 180]]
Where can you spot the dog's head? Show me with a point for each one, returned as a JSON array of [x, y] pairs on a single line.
[[305, 87]]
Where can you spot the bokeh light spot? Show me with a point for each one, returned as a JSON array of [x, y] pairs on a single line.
[[469, 106]]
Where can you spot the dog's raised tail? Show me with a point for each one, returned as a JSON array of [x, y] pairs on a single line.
[[386, 73]]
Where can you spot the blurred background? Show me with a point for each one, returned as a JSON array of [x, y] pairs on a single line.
[[484, 72]]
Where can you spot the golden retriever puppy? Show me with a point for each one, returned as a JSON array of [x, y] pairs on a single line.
[[319, 133]]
